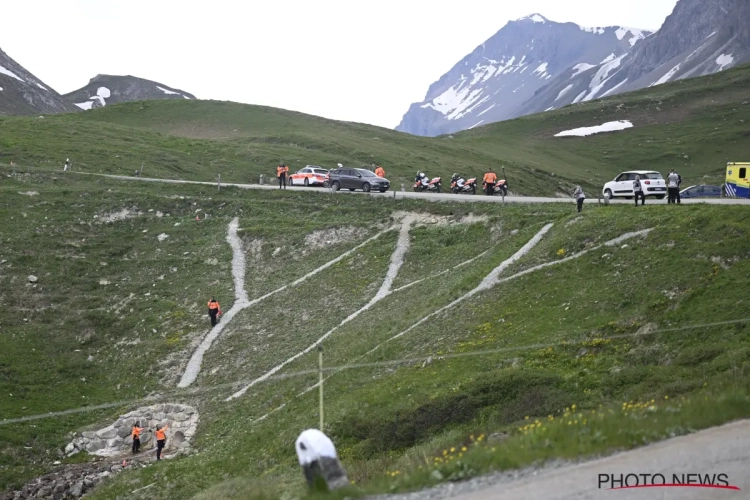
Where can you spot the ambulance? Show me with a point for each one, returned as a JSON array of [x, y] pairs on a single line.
[[737, 184]]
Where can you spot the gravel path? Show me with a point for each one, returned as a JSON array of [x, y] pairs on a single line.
[[719, 450]]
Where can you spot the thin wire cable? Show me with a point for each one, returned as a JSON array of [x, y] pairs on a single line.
[[374, 364]]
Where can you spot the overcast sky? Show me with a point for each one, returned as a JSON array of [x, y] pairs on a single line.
[[356, 60]]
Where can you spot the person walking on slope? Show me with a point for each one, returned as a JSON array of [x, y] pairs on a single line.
[[214, 309], [379, 171], [490, 178], [638, 191], [281, 171], [161, 439], [579, 196], [673, 186], [136, 434]]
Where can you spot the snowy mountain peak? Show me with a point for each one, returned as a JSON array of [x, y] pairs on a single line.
[[535, 18], [510, 68]]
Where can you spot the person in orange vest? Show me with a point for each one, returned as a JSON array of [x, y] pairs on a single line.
[[379, 171], [214, 309], [136, 433], [281, 171], [490, 178], [161, 439]]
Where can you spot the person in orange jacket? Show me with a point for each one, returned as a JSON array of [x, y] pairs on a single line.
[[281, 172], [379, 171], [161, 439], [490, 178], [136, 434], [214, 309]]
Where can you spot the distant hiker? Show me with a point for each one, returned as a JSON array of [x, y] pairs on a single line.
[[490, 178], [319, 461], [638, 191], [67, 164], [136, 433], [579, 196], [673, 186], [281, 174], [379, 171], [161, 439], [214, 309]]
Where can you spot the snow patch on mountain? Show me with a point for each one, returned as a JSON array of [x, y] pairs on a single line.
[[541, 70], [536, 18], [42, 86], [7, 72], [85, 105], [724, 60], [666, 77], [615, 87], [605, 127], [596, 31], [602, 77], [563, 92], [580, 68], [636, 35]]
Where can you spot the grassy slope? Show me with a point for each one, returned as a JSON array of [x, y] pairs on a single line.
[[695, 125], [692, 269]]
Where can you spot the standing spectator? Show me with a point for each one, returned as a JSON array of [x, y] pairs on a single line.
[[281, 174], [161, 439], [579, 196], [379, 171], [673, 186], [67, 165], [638, 191], [679, 186]]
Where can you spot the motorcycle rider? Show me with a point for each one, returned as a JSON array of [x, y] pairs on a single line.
[[423, 180]]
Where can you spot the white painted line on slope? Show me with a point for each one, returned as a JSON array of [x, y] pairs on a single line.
[[397, 260], [238, 272], [488, 282]]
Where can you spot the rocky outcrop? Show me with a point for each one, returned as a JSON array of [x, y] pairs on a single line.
[[115, 439], [70, 481], [112, 89]]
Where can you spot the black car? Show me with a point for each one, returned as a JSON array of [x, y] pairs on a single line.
[[357, 178]]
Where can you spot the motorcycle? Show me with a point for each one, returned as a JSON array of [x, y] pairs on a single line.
[[500, 187], [422, 183], [458, 185]]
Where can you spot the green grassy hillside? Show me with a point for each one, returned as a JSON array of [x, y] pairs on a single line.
[[116, 312], [694, 125]]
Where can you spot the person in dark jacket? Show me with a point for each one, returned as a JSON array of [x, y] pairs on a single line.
[[638, 191]]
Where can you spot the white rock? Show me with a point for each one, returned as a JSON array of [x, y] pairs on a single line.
[[33, 279], [162, 237]]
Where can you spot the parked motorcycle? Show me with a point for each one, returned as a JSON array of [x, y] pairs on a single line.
[[423, 183], [458, 185], [500, 187]]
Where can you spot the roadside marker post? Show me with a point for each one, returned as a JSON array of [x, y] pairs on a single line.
[[219, 183]]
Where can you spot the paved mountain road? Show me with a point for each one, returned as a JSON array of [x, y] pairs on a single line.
[[724, 449], [427, 196]]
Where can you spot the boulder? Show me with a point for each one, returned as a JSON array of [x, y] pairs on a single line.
[[107, 433], [123, 432], [33, 279], [89, 434], [70, 449], [77, 490]]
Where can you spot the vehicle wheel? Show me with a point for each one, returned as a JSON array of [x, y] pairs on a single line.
[[307, 183], [290, 182], [336, 185], [439, 188], [416, 190], [325, 184], [473, 190], [608, 194], [366, 187]]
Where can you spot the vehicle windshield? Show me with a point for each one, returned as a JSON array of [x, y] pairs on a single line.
[[651, 175], [366, 173], [321, 171]]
